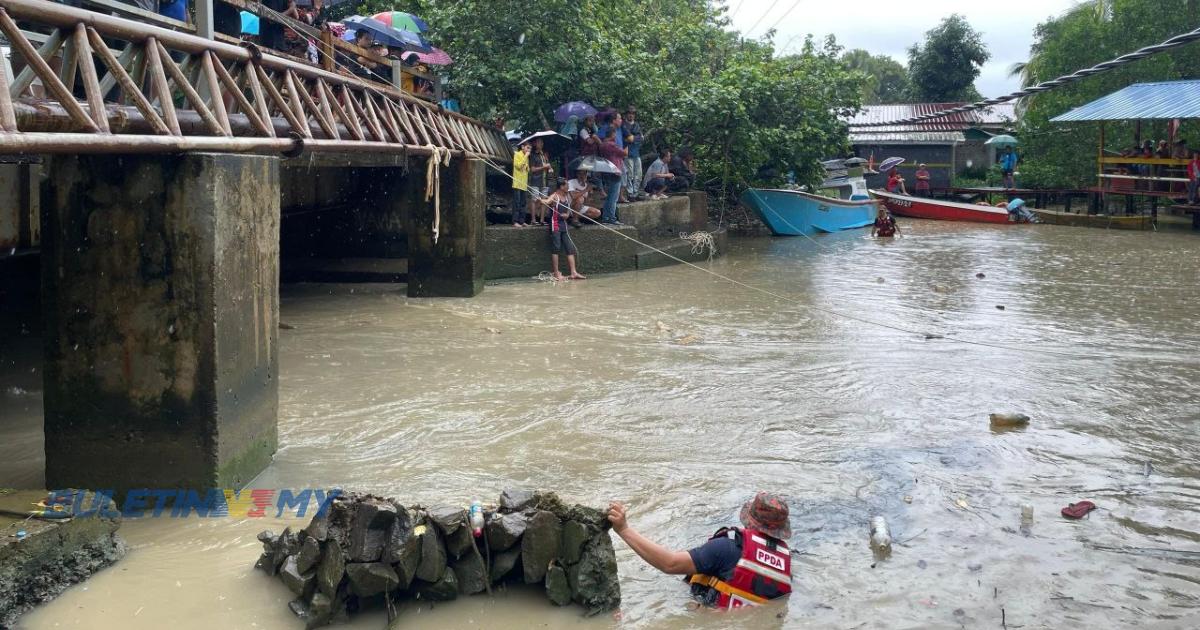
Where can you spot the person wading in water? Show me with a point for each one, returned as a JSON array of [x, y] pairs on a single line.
[[885, 225], [738, 566]]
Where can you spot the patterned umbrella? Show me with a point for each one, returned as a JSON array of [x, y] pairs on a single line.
[[402, 21], [438, 57]]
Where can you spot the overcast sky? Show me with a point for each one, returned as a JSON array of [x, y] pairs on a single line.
[[889, 27]]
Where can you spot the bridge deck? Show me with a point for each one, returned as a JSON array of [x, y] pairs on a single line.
[[104, 84]]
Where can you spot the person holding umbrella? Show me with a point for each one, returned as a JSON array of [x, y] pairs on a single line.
[[1008, 165], [612, 181], [540, 171]]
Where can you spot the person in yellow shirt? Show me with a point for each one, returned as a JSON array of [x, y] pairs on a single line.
[[520, 184]]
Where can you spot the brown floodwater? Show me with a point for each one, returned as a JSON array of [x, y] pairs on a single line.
[[681, 394]]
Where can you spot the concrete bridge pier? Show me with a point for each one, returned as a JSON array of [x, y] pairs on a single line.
[[160, 285], [454, 266]]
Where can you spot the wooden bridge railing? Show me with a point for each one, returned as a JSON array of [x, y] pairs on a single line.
[[115, 85]]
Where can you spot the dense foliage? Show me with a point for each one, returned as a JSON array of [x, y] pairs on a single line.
[[1063, 155], [742, 109], [944, 67], [887, 79]]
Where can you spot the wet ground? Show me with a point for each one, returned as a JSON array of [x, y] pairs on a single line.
[[681, 394]]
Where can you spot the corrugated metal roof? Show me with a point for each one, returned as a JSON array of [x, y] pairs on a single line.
[[1001, 115], [1142, 101], [872, 135]]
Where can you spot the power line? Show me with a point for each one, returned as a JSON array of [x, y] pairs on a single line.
[[1141, 53], [785, 14], [736, 9], [760, 18]]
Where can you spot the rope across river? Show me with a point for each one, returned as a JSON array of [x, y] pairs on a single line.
[[1194, 35]]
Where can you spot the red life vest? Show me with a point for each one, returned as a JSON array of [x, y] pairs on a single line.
[[885, 226], [763, 572]]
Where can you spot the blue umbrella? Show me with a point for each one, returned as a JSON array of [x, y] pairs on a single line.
[[249, 23], [578, 109], [384, 34]]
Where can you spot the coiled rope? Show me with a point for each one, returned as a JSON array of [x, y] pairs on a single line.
[[700, 241]]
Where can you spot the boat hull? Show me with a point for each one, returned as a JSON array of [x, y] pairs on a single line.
[[793, 212], [925, 208], [1107, 221]]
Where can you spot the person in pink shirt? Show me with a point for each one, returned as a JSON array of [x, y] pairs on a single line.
[[922, 181]]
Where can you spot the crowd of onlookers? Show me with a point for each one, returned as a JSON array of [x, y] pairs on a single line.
[[1164, 150], [601, 163]]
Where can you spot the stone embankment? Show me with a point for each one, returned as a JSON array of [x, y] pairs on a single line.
[[366, 550]]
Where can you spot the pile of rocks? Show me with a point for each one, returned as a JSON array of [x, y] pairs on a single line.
[[366, 550]]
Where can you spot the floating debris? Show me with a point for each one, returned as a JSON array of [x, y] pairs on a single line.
[[1008, 419], [980, 275], [687, 340]]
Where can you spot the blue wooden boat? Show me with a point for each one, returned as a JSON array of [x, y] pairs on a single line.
[[795, 212]]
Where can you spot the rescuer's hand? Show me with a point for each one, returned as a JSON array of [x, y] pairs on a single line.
[[616, 516]]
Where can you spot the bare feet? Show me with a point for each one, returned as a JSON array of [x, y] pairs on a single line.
[[578, 276], [557, 275]]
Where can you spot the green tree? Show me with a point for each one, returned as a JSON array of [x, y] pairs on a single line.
[[696, 83], [1063, 155], [944, 68], [886, 79]]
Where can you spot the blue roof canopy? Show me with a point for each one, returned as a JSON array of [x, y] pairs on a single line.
[[1142, 101]]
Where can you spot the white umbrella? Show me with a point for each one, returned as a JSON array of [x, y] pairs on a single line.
[[597, 165]]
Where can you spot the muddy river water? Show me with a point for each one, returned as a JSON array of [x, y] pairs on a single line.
[[681, 394]]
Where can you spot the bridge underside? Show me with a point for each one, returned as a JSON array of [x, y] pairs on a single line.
[[166, 157]]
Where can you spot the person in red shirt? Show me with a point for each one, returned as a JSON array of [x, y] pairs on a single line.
[[896, 182], [922, 181]]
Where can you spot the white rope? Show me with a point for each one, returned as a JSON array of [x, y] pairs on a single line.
[[438, 158], [701, 241]]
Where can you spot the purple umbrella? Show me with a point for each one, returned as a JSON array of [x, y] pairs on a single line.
[[578, 109]]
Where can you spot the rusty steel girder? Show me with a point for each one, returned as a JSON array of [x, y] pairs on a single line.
[[217, 97]]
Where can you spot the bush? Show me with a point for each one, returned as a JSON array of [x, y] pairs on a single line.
[[1042, 174]]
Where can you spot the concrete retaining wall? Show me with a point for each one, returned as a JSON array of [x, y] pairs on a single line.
[[525, 252]]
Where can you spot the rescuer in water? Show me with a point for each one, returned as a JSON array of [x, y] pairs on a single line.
[[738, 566]]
